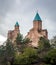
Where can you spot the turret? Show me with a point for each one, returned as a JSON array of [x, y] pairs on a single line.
[[37, 23], [17, 26]]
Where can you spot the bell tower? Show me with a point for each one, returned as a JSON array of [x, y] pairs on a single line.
[[16, 26], [37, 23]]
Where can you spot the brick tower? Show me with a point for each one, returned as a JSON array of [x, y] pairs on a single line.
[[12, 34], [37, 23], [36, 32]]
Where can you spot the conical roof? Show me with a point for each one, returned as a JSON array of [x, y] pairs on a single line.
[[37, 18], [17, 24]]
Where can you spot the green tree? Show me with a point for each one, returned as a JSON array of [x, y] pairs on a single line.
[[53, 42], [19, 39], [27, 57], [43, 44], [26, 40], [50, 57], [10, 52], [21, 42], [7, 53], [2, 55]]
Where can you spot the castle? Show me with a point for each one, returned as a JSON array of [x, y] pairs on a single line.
[[12, 34], [34, 34]]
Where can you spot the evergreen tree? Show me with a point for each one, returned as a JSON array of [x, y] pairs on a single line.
[[28, 57], [21, 42], [43, 44], [50, 57]]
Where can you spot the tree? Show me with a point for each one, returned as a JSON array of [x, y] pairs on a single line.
[[19, 39], [50, 57], [26, 40], [7, 53], [10, 52], [2, 55], [27, 57], [43, 44], [21, 42], [53, 42]]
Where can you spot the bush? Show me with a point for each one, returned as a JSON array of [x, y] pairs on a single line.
[[29, 56], [50, 57], [43, 44]]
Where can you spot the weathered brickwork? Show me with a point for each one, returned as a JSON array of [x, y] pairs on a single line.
[[34, 34]]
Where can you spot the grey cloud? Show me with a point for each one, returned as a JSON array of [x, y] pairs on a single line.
[[5, 6], [23, 9]]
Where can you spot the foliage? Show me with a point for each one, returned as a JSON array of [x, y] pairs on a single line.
[[10, 55], [53, 42], [2, 55], [7, 52], [9, 49], [21, 40], [43, 44], [50, 57], [47, 64], [26, 40], [29, 56]]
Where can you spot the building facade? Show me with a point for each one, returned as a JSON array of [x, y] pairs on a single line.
[[34, 34], [12, 34]]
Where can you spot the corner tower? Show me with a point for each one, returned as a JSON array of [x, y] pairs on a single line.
[[12, 34], [37, 23], [36, 32], [17, 26]]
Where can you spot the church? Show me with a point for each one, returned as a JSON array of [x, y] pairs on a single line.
[[34, 34]]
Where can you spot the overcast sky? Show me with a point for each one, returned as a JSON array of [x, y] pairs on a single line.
[[24, 12]]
